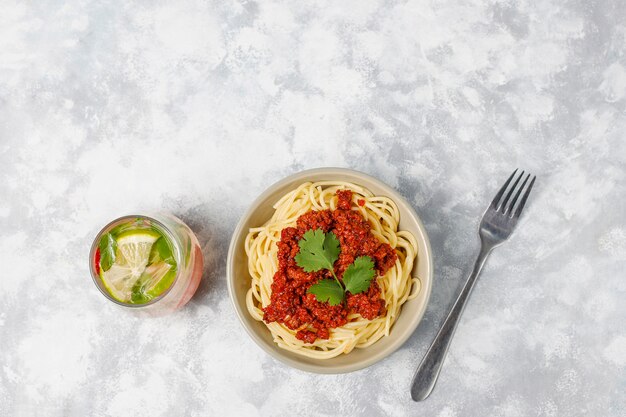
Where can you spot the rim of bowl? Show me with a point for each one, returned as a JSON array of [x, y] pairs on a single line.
[[275, 350]]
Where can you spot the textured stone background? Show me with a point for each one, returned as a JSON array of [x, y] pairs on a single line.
[[194, 107]]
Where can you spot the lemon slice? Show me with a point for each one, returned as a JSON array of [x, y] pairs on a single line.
[[133, 253]]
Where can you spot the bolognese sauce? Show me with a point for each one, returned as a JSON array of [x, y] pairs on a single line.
[[290, 303]]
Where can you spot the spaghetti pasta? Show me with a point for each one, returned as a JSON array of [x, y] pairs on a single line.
[[397, 284]]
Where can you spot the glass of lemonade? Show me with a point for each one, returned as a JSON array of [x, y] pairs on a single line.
[[148, 263]]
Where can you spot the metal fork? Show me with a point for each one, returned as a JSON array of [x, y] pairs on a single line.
[[496, 226]]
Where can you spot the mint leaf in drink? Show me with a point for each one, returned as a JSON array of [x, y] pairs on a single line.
[[107, 246], [318, 250], [359, 274], [137, 294], [161, 251], [327, 290]]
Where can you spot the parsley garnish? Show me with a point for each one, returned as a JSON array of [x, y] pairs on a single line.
[[319, 250], [359, 274], [327, 290]]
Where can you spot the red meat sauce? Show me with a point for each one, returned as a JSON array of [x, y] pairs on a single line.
[[291, 305]]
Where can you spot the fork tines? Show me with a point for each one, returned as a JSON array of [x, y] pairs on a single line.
[[502, 205]]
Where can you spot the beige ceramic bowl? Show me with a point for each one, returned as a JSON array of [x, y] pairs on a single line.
[[239, 279]]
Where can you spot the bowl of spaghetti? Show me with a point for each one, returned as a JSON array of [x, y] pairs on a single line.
[[330, 270]]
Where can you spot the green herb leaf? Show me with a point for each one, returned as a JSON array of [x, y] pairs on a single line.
[[318, 250], [107, 246], [137, 295], [161, 250], [327, 290], [358, 275]]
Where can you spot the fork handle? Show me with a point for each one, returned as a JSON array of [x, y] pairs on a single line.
[[428, 370]]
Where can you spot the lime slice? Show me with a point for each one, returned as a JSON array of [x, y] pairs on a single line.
[[133, 253], [153, 282], [153, 275], [159, 287]]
